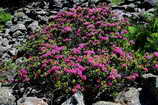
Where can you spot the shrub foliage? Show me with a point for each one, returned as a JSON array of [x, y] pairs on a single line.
[[84, 49]]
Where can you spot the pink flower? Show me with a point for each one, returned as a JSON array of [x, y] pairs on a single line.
[[91, 26], [79, 59], [23, 72], [67, 29], [54, 68], [82, 45], [59, 56], [103, 37], [109, 83], [119, 51], [76, 51], [123, 65], [148, 57], [76, 88], [89, 52], [87, 23], [67, 39], [133, 76], [156, 54], [114, 74], [83, 77], [49, 53], [156, 66], [145, 69], [90, 60], [24, 75]]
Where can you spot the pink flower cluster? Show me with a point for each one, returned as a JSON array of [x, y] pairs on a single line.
[[86, 47]]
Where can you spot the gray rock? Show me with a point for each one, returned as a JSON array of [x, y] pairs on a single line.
[[17, 33], [8, 24], [151, 2], [18, 27], [5, 56], [56, 3], [7, 31], [76, 99], [105, 103], [2, 49], [131, 7], [13, 51], [95, 1], [1, 34], [41, 12], [19, 17], [34, 26], [42, 19], [4, 42], [26, 10], [31, 101], [152, 10], [129, 97], [6, 97], [26, 21], [81, 1]]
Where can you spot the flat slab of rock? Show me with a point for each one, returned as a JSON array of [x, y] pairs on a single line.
[[6, 97], [105, 103], [31, 101]]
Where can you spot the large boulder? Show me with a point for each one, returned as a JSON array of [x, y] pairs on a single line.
[[129, 97], [6, 97]]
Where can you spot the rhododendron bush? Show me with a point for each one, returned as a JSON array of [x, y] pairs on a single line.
[[81, 49]]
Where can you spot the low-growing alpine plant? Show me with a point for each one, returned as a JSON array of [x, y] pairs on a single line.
[[84, 49]]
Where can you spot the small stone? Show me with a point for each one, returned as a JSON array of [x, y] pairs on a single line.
[[41, 12], [43, 19], [13, 51], [17, 33], [131, 7], [76, 99], [18, 27], [34, 26], [8, 24]]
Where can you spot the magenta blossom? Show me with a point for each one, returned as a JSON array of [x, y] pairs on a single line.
[[145, 69], [156, 54], [89, 52], [67, 29], [133, 76], [54, 68], [24, 74], [114, 74], [76, 51], [156, 66], [103, 37], [119, 51]]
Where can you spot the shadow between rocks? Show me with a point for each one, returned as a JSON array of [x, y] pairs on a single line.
[[146, 97]]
